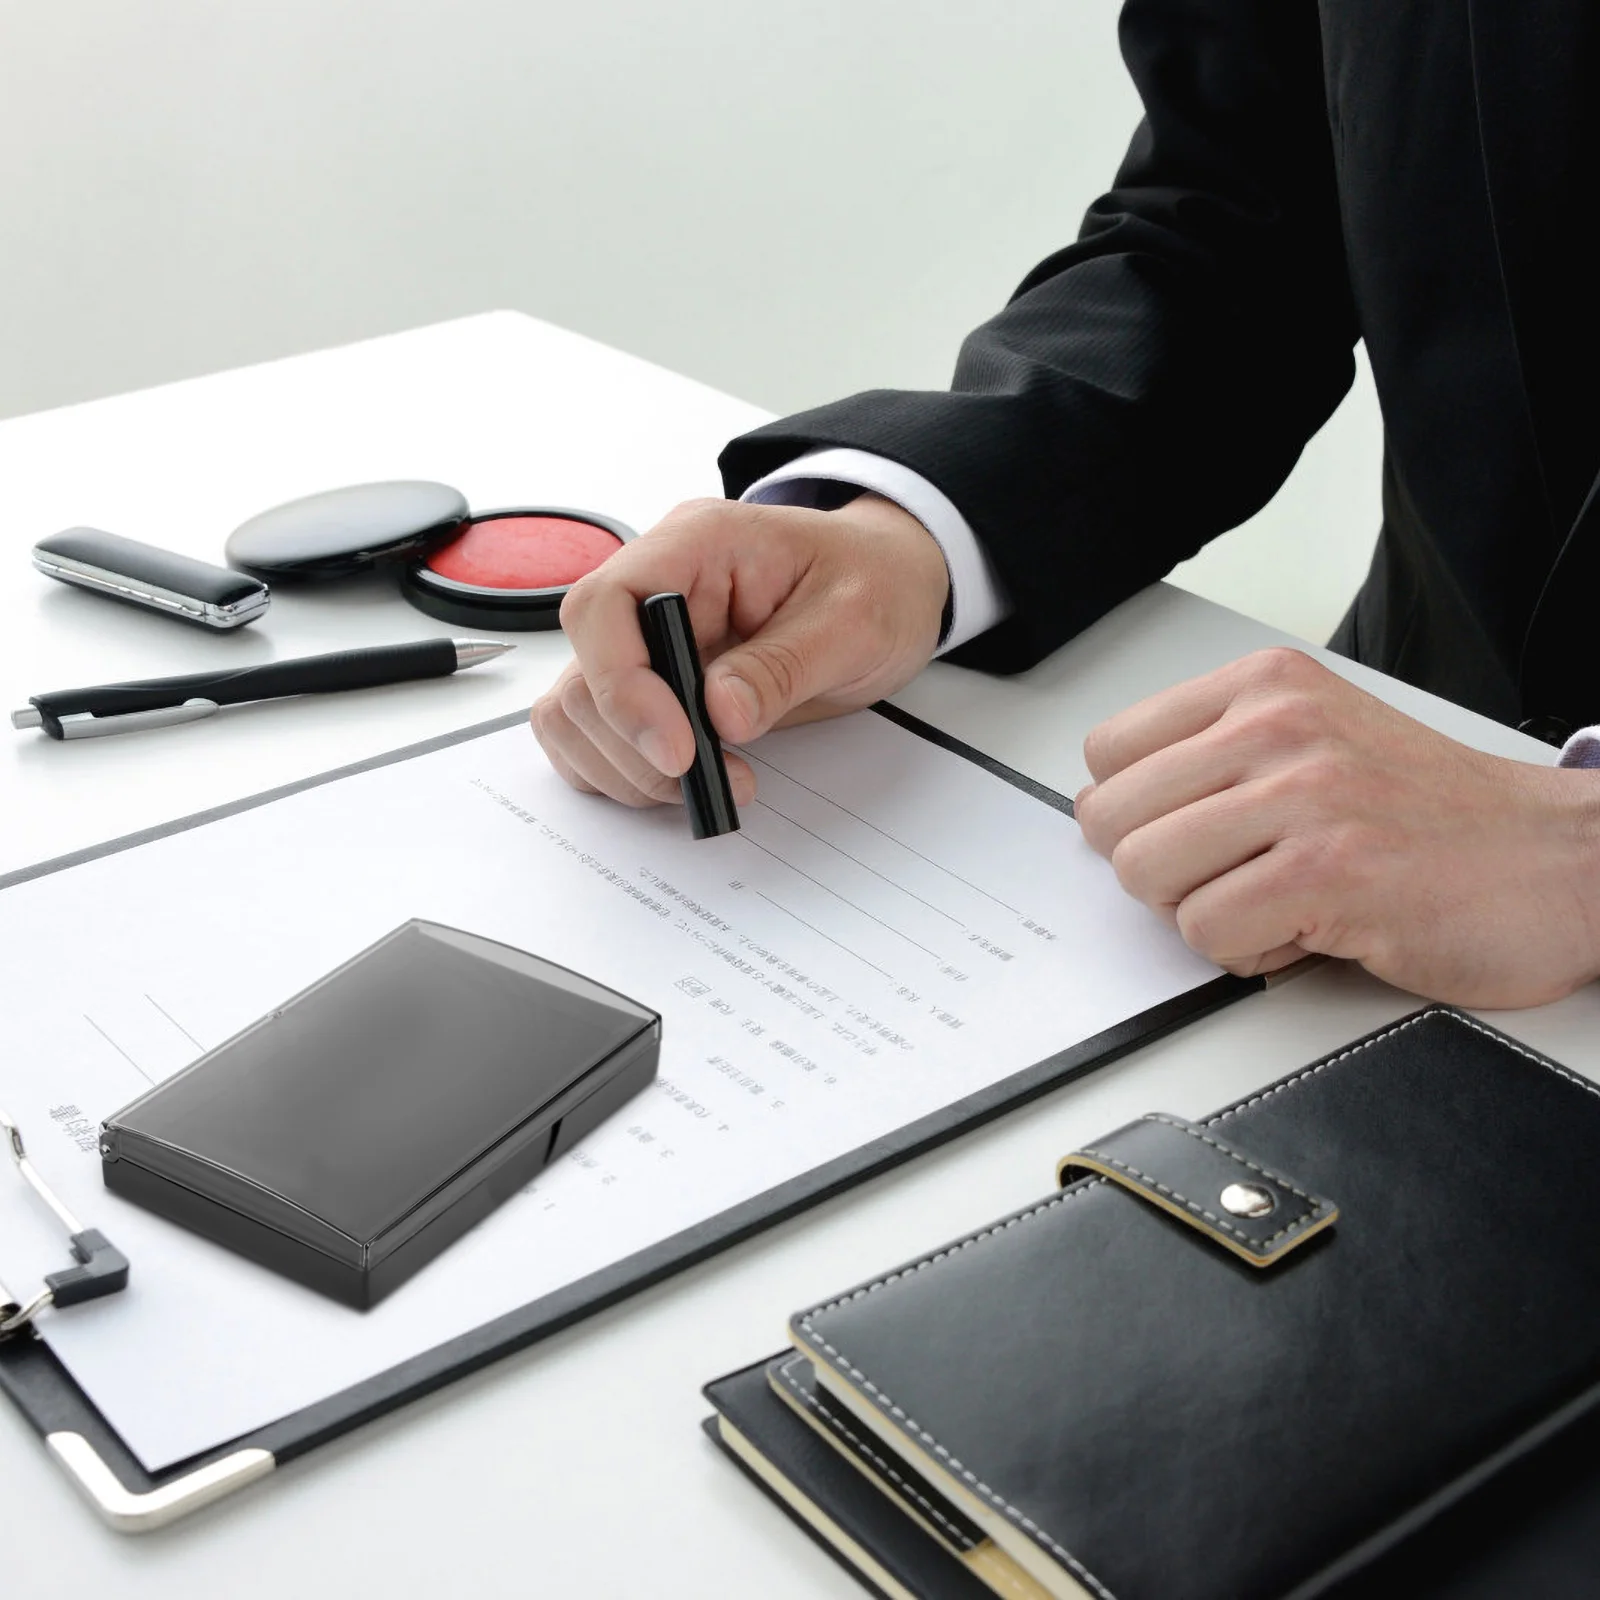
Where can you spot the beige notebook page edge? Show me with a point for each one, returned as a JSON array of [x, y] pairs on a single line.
[[810, 1512], [987, 1562], [1055, 1579]]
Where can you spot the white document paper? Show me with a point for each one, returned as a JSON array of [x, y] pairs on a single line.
[[893, 929]]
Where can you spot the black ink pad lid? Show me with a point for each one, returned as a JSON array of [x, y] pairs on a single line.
[[340, 531]]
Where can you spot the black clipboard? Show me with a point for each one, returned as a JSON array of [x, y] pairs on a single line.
[[132, 1500]]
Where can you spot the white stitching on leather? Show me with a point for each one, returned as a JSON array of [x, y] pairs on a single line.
[[1232, 1155], [814, 1401], [1318, 1208], [1258, 1245], [1389, 1033], [888, 1405], [955, 1465]]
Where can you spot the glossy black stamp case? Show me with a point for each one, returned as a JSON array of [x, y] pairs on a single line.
[[350, 1135], [156, 579]]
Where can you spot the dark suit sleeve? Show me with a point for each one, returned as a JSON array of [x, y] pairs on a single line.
[[1150, 386]]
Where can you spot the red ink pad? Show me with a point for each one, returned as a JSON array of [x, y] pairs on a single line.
[[511, 569]]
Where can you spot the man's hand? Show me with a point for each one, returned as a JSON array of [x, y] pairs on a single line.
[[1272, 809], [799, 614]]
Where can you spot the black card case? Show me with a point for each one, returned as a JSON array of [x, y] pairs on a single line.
[[350, 1135]]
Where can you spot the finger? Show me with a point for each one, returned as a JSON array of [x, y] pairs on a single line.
[[801, 654], [1252, 918], [819, 709], [574, 756], [1258, 966], [741, 778], [1160, 783], [562, 766], [600, 617], [565, 770], [1166, 861], [623, 757], [1153, 724], [579, 707], [1189, 708]]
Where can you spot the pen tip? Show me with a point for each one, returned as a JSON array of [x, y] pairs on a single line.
[[473, 652]]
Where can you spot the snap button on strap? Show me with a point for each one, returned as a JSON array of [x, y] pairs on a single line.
[[1246, 1207], [1248, 1200]]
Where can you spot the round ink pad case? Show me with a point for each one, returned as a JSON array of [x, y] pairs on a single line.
[[512, 568], [341, 531], [507, 568]]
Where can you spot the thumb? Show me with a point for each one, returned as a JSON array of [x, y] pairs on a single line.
[[794, 658]]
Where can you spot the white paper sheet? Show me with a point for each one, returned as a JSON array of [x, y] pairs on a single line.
[[893, 929]]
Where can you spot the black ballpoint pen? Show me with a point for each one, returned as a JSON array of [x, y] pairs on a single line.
[[159, 702]]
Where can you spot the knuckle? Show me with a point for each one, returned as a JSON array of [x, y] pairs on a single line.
[[1306, 789], [1278, 665], [1324, 776], [1094, 821], [1203, 929], [782, 668], [1134, 865], [638, 774], [569, 775], [600, 705], [1099, 748], [1285, 717], [1327, 858], [546, 714], [702, 511], [574, 699], [660, 789], [1086, 812], [1307, 865], [702, 505], [579, 601]]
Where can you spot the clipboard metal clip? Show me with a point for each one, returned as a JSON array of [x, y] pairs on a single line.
[[100, 1268]]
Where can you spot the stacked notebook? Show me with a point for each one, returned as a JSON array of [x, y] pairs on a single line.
[[1232, 1360]]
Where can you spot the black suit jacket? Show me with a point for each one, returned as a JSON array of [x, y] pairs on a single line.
[[1414, 173]]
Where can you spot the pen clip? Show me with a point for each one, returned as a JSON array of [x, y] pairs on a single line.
[[86, 725]]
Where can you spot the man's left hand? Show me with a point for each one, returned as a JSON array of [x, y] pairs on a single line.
[[1273, 810]]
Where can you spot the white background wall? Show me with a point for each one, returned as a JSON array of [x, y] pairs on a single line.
[[787, 200]]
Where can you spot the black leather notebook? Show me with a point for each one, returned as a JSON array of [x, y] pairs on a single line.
[[1232, 1360]]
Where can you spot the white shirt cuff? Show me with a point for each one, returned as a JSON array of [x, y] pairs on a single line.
[[1582, 749], [976, 599]]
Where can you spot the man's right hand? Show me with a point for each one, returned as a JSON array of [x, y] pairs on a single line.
[[799, 614]]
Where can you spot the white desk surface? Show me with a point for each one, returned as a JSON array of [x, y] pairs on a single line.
[[576, 1467]]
